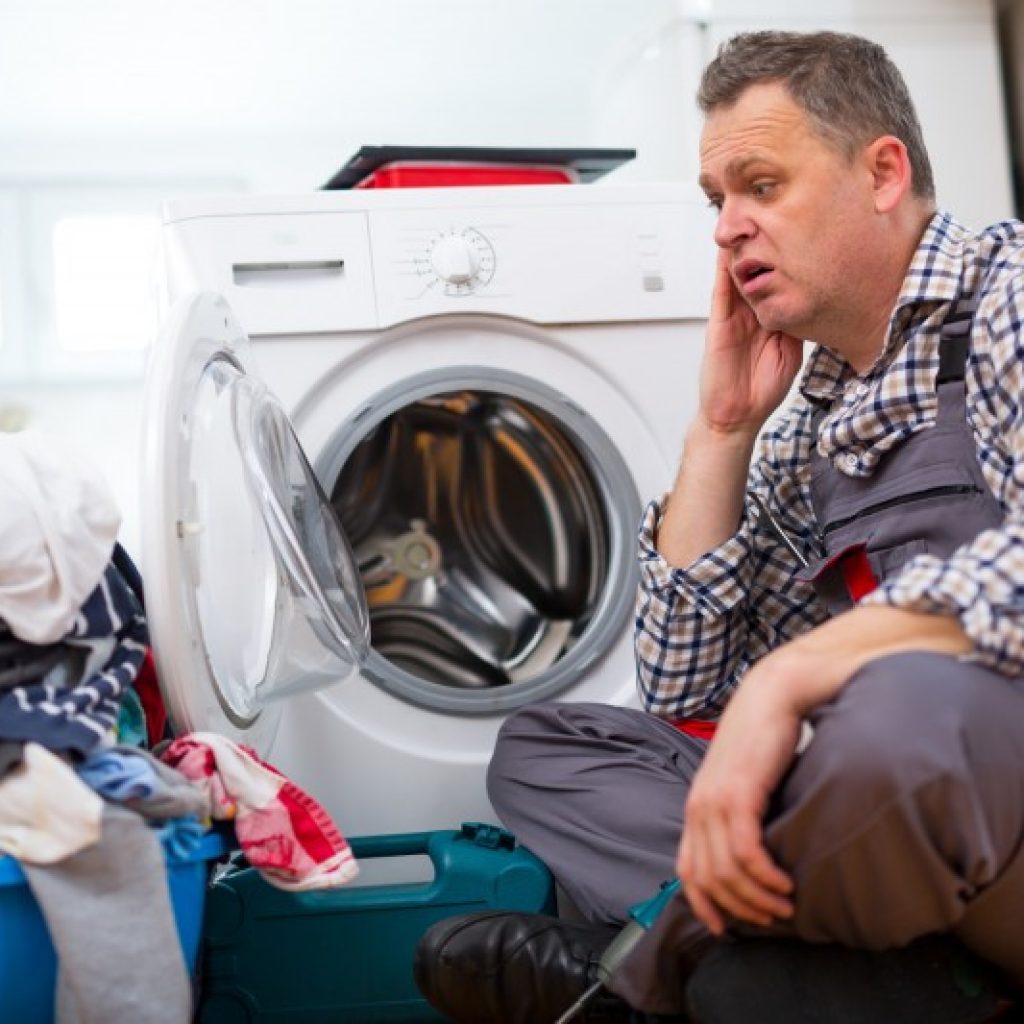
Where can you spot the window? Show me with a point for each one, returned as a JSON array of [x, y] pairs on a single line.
[[101, 282], [78, 277], [8, 277]]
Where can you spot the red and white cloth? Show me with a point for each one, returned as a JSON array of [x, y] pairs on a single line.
[[283, 832]]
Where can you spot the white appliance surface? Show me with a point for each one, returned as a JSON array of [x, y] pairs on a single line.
[[587, 302]]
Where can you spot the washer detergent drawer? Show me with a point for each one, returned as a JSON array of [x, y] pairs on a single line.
[[281, 273], [347, 954]]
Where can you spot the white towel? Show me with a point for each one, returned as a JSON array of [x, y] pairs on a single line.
[[47, 813], [58, 525]]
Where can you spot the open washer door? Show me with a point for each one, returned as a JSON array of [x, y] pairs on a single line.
[[252, 594]]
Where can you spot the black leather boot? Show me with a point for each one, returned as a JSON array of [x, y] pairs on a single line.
[[499, 967], [934, 980]]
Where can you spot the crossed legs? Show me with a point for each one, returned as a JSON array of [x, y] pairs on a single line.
[[903, 817]]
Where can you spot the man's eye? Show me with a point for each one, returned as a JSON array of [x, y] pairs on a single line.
[[715, 202], [762, 189]]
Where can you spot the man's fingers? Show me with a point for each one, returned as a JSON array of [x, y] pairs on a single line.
[[704, 910], [746, 839], [724, 293], [728, 883], [690, 864], [723, 864]]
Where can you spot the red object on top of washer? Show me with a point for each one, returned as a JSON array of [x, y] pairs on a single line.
[[432, 166], [412, 174]]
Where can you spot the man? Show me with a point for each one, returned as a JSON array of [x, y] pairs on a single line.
[[850, 607]]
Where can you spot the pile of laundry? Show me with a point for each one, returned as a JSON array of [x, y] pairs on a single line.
[[93, 791]]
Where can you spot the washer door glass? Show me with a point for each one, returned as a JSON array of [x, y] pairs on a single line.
[[279, 605]]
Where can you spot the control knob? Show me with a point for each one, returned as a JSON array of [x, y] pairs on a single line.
[[454, 259]]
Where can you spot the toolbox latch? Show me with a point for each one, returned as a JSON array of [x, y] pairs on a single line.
[[491, 837]]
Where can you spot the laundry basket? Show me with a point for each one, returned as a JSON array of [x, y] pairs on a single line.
[[28, 961]]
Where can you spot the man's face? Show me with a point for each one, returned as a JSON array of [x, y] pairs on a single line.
[[795, 216]]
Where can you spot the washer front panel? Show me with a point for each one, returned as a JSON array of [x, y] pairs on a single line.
[[598, 293]]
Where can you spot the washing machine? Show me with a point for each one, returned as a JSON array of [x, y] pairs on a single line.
[[396, 448]]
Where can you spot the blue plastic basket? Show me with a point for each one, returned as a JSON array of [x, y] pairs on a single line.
[[28, 961]]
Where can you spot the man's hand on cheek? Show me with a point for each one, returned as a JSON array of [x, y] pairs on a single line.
[[747, 370]]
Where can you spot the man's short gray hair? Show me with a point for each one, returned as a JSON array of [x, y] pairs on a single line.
[[848, 86]]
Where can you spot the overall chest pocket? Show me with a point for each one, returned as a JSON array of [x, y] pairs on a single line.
[[870, 529], [925, 508]]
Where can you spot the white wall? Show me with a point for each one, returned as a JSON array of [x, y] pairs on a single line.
[[104, 419], [1011, 21], [947, 51]]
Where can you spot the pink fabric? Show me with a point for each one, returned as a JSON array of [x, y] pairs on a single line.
[[283, 832]]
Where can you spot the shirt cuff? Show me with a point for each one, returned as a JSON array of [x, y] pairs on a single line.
[[713, 584], [935, 587]]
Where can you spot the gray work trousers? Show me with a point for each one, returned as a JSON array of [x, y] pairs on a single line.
[[904, 816]]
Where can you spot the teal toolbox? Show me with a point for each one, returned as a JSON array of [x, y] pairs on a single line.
[[345, 955]]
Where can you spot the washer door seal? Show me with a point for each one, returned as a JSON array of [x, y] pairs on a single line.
[[492, 519]]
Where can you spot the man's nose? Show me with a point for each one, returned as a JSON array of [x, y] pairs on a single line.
[[733, 225]]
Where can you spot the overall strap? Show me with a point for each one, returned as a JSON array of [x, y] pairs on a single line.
[[954, 345], [955, 339]]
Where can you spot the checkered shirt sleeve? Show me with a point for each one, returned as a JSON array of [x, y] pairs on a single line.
[[700, 627]]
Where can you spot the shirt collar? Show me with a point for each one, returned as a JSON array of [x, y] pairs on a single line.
[[933, 276], [935, 268]]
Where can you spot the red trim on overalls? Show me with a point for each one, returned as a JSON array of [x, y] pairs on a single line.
[[695, 727], [858, 576]]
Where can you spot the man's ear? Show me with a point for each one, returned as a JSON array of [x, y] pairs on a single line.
[[887, 162]]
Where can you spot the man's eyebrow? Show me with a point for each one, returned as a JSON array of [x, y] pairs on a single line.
[[733, 169]]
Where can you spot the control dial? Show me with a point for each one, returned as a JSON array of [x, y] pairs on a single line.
[[458, 261], [454, 260]]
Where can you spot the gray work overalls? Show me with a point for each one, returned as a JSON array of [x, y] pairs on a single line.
[[926, 496], [904, 815]]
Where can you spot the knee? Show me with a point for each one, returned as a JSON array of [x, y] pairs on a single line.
[[542, 746], [508, 753], [897, 725], [522, 738]]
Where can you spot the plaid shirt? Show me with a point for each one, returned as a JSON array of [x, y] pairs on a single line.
[[700, 628]]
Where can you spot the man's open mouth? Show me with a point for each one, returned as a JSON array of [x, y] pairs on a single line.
[[747, 272]]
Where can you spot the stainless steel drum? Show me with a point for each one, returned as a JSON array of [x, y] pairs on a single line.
[[493, 529]]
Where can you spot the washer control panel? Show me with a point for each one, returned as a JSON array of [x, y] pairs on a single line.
[[578, 262], [560, 254]]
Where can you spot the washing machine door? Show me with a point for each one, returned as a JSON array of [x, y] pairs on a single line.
[[252, 592]]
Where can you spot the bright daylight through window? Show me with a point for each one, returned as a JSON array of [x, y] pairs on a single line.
[[102, 277]]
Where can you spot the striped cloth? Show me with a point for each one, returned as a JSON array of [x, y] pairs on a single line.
[[699, 628], [74, 712]]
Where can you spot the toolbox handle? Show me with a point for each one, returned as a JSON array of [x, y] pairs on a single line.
[[402, 845], [490, 837]]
